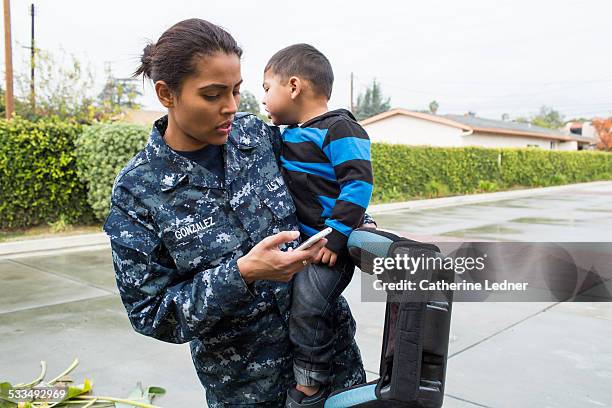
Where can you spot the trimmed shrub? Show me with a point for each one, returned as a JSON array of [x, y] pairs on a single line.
[[53, 172], [38, 174], [407, 172], [102, 151]]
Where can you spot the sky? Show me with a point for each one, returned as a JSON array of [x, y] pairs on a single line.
[[489, 57]]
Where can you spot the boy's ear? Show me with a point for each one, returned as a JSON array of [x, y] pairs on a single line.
[[295, 85], [164, 94]]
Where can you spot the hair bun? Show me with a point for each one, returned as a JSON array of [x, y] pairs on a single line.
[[146, 61]]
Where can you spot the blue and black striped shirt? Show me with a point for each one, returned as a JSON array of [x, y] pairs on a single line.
[[326, 164]]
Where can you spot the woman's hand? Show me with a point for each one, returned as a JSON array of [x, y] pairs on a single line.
[[266, 261]]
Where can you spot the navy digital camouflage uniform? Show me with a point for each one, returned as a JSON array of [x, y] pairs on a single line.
[[176, 232]]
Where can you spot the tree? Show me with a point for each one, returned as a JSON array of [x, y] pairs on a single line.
[[22, 106], [433, 107], [63, 89], [372, 102], [603, 127], [118, 94], [248, 103], [548, 118]]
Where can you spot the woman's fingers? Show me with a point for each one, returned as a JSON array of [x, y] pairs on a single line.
[[308, 255], [273, 241], [265, 261]]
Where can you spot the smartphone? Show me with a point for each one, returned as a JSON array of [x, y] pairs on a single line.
[[313, 240]]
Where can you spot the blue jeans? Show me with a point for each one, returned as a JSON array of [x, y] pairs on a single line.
[[311, 325]]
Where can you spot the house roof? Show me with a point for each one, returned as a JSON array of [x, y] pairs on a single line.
[[476, 124]]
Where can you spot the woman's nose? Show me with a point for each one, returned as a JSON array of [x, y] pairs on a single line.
[[230, 107]]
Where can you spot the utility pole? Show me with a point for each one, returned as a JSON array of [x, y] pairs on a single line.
[[352, 107], [32, 62], [8, 58]]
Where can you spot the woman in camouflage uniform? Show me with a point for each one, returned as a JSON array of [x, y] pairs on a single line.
[[202, 225]]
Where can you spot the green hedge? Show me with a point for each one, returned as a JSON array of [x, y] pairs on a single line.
[[102, 151], [38, 175], [51, 170], [405, 172]]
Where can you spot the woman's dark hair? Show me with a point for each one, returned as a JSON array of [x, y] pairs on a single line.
[[174, 56]]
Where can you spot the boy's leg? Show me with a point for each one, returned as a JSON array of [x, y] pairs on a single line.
[[311, 325]]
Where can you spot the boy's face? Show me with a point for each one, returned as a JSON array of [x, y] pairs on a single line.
[[278, 100]]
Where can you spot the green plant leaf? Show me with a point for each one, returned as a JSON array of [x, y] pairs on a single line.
[[139, 395]]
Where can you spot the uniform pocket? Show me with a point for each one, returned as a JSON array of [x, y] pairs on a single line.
[[275, 196], [203, 243]]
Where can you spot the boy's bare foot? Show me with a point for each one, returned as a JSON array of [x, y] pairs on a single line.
[[308, 390]]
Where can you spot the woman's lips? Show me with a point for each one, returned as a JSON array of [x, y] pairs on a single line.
[[225, 127]]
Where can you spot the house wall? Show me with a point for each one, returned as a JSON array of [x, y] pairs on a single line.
[[573, 145], [493, 140], [402, 129]]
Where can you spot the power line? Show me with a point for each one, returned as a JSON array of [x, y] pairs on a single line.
[[32, 62]]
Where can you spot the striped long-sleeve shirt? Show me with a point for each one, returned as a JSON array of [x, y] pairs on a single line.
[[326, 164]]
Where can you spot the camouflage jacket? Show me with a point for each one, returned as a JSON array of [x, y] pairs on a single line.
[[176, 231]]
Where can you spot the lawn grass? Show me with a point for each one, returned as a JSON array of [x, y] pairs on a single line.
[[47, 231]]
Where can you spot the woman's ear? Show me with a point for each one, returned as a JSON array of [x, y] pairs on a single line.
[[164, 94], [295, 86]]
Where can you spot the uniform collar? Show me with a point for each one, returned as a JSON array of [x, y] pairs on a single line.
[[241, 135], [243, 138], [175, 168]]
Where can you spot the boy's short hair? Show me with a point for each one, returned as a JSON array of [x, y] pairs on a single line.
[[304, 60]]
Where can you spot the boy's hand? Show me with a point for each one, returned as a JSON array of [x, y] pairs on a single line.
[[326, 256]]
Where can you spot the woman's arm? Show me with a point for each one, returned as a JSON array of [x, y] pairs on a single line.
[[177, 305], [161, 301]]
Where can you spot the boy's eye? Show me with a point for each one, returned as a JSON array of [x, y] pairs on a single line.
[[237, 92], [211, 97]]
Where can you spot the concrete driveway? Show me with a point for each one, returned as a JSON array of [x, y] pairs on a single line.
[[65, 304]]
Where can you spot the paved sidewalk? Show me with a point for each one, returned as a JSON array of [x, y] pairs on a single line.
[[64, 304]]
